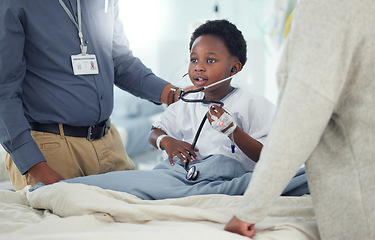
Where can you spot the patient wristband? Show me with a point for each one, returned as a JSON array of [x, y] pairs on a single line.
[[158, 140]]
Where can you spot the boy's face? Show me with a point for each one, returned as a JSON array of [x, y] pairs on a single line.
[[210, 61]]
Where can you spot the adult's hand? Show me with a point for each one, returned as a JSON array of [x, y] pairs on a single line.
[[41, 172], [235, 225]]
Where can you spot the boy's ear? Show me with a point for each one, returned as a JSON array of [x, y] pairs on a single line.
[[236, 67]]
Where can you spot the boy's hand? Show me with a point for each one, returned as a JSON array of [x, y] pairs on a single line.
[[221, 120], [181, 149]]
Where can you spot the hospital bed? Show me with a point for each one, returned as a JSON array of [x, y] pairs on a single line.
[[76, 211]]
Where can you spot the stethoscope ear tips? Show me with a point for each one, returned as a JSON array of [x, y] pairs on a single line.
[[192, 174]]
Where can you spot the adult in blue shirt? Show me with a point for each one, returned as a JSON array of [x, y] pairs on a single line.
[[59, 62]]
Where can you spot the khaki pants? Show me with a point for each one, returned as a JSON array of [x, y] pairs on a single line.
[[75, 157]]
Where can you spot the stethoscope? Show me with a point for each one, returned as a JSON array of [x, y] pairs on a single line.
[[192, 173]]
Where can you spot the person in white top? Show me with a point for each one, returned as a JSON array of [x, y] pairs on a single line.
[[325, 119]]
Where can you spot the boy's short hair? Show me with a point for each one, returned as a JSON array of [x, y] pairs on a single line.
[[228, 33]]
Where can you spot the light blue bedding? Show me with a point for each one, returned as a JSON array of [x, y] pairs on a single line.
[[218, 175]]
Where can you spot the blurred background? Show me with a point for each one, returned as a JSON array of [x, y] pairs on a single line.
[[159, 33]]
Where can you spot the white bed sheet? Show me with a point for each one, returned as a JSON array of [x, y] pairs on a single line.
[[77, 211]]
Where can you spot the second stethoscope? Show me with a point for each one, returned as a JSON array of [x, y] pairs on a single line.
[[192, 173]]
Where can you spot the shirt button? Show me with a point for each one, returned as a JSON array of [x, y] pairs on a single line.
[[101, 97]]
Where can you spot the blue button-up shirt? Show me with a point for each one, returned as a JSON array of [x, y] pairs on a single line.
[[37, 84]]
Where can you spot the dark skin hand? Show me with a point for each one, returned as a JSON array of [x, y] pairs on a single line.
[[243, 228], [164, 94], [41, 172], [246, 143], [173, 147]]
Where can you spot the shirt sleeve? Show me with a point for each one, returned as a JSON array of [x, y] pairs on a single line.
[[130, 73], [169, 121], [14, 128], [311, 78]]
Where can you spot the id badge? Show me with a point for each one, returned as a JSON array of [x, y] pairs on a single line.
[[84, 64]]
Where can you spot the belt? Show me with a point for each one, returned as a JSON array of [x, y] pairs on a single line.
[[91, 132]]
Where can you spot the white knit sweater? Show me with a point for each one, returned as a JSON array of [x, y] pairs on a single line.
[[325, 118]]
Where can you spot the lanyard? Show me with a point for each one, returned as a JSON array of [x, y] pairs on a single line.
[[78, 25]]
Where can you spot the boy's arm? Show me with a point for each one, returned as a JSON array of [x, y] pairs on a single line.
[[153, 136], [248, 145]]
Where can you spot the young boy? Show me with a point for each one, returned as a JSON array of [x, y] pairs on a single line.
[[217, 51]]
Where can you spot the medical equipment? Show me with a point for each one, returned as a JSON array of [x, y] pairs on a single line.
[[206, 101], [223, 123], [192, 173]]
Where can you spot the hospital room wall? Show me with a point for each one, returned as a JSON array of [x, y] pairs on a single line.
[[159, 33]]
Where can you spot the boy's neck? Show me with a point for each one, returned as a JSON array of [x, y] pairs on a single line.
[[218, 96]]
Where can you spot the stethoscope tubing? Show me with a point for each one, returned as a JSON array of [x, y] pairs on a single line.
[[206, 101], [196, 139]]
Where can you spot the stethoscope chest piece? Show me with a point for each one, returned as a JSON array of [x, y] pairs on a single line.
[[192, 173]]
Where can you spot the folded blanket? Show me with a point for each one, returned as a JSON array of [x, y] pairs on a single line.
[[79, 211]]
